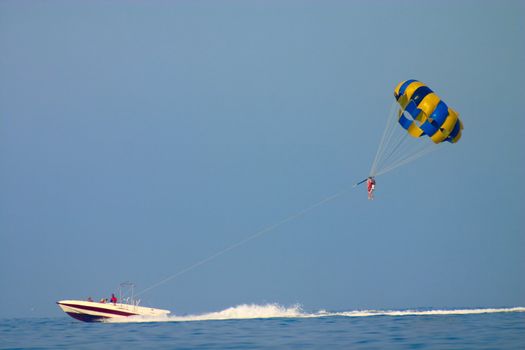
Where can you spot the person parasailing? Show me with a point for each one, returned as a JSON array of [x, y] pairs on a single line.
[[370, 186]]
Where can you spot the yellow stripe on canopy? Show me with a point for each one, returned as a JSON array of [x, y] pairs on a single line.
[[427, 103], [411, 88]]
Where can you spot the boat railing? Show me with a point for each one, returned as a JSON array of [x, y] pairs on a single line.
[[127, 294], [130, 301]]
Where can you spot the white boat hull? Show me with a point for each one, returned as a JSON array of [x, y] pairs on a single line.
[[89, 311]]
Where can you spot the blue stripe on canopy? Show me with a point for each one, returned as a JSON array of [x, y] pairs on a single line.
[[440, 114], [404, 86], [420, 94], [454, 131], [405, 122], [428, 128], [412, 109]]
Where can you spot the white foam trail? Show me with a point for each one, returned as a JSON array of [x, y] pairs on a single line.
[[427, 312], [254, 311]]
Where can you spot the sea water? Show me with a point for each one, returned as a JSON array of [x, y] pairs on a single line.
[[276, 327]]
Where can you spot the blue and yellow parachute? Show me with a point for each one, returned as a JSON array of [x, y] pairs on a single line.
[[426, 114]]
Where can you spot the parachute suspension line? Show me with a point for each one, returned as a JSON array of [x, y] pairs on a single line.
[[410, 150], [397, 138], [399, 150], [396, 147], [412, 147], [392, 136], [248, 239], [407, 160], [380, 147], [385, 139]]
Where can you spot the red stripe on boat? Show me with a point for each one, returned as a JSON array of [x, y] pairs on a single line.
[[100, 309]]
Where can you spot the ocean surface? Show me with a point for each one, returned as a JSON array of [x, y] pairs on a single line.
[[276, 327]]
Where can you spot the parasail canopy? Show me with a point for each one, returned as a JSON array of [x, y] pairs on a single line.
[[424, 113], [420, 113]]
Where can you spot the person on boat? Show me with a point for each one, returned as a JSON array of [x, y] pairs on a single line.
[[103, 300], [113, 298], [89, 299], [371, 185]]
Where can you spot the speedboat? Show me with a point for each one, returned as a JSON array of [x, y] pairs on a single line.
[[91, 311]]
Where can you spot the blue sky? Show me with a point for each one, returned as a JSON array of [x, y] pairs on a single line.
[[137, 138]]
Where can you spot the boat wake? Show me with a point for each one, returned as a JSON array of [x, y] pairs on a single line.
[[254, 311]]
